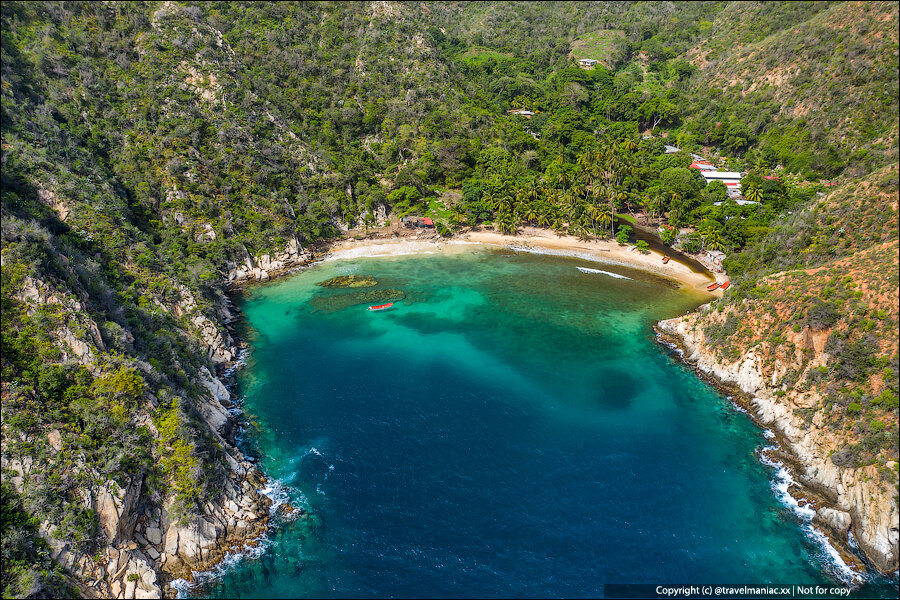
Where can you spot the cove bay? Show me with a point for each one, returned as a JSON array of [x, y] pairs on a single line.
[[509, 428]]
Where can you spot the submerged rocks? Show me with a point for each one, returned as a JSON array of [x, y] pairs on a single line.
[[349, 281], [342, 301]]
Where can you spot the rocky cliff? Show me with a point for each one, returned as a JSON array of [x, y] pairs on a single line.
[[134, 537], [862, 500]]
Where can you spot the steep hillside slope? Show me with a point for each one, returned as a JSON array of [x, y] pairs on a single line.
[[820, 95], [811, 333]]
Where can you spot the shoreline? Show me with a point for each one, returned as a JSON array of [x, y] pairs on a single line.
[[541, 241], [840, 516], [388, 244], [778, 455]]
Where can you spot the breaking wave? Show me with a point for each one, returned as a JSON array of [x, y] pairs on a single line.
[[616, 275]]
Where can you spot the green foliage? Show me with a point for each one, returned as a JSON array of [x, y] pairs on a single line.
[[179, 462], [26, 569], [147, 150], [668, 235]]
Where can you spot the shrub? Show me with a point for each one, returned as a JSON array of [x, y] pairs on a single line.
[[822, 315]]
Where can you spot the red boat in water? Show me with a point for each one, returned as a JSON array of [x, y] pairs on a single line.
[[382, 306], [712, 286], [724, 285]]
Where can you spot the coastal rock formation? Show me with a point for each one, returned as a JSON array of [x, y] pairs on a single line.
[[144, 547], [266, 266], [862, 502], [141, 544]]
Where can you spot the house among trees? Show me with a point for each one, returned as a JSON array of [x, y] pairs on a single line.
[[731, 179], [522, 112], [587, 63], [414, 222], [703, 165]]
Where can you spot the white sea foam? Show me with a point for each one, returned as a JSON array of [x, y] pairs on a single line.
[[590, 257], [780, 485], [277, 491], [231, 560], [616, 275], [240, 362], [768, 434], [840, 569], [673, 347]]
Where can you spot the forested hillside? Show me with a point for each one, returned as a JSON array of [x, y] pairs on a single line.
[[150, 149]]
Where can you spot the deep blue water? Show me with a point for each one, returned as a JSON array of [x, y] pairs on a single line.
[[510, 429]]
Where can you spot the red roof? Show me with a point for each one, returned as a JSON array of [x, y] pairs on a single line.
[[733, 183], [428, 221]]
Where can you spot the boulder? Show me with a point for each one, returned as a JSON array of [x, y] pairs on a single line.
[[837, 521], [154, 535]]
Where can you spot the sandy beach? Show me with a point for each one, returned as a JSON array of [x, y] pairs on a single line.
[[535, 240]]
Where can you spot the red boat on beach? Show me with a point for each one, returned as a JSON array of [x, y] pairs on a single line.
[[712, 286], [665, 259], [381, 306], [724, 285]]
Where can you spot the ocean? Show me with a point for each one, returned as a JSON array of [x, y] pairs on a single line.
[[509, 428]]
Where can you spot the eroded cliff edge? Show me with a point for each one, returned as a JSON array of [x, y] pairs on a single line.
[[864, 501], [135, 473]]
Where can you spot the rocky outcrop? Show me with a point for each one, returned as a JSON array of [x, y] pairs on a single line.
[[216, 338], [226, 526], [143, 545], [81, 335], [266, 266], [861, 501]]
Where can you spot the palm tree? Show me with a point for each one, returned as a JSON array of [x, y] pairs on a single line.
[[570, 201], [714, 241], [711, 235], [603, 215], [558, 224], [609, 193], [459, 215], [657, 205], [507, 223], [754, 194], [544, 217]]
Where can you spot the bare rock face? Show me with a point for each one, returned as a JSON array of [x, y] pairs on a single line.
[[266, 266], [116, 510], [857, 493], [837, 520], [202, 542]]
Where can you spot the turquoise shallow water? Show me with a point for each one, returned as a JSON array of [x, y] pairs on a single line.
[[510, 429]]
